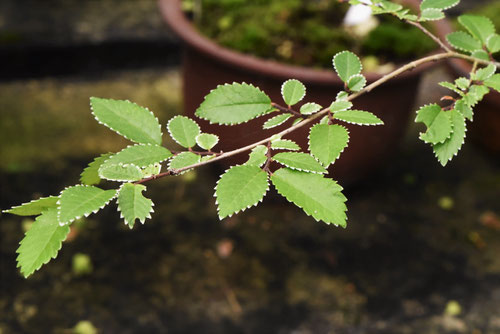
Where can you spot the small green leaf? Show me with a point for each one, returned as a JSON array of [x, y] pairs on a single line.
[[276, 121], [479, 26], [183, 130], [78, 201], [299, 161], [439, 126], [464, 109], [120, 172], [285, 144], [258, 156], [234, 104], [446, 151], [438, 4], [326, 142], [462, 83], [184, 159], [310, 108], [484, 73], [463, 41], [493, 43], [239, 188], [493, 82], [34, 207], [356, 83], [41, 243], [358, 117], [340, 105], [324, 120], [346, 65], [481, 54], [133, 205], [431, 14], [318, 196], [293, 91], [389, 6], [342, 96], [139, 155], [451, 86], [207, 140], [135, 123], [151, 170], [476, 94], [90, 174]]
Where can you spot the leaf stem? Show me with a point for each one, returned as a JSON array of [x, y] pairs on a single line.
[[431, 35]]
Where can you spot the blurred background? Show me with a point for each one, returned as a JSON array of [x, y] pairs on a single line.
[[420, 253]]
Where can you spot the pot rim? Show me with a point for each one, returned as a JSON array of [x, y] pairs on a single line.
[[174, 16]]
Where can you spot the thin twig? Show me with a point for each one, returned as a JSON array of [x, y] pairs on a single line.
[[285, 109], [431, 35]]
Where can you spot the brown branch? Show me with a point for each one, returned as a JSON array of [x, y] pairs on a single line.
[[285, 109], [312, 118]]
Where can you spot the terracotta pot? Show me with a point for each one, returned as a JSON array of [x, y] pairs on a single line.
[[207, 64]]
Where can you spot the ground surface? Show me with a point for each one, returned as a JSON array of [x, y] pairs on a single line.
[[407, 252]]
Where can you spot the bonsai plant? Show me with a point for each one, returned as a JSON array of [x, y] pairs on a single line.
[[207, 63], [301, 177]]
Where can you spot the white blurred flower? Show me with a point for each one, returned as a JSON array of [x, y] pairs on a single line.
[[358, 14]]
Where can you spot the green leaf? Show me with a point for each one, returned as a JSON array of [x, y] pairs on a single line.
[[479, 26], [41, 243], [90, 174], [141, 155], [431, 14], [358, 117], [78, 201], [450, 86], [234, 104], [324, 120], [340, 105], [464, 109], [481, 54], [493, 82], [439, 4], [276, 121], [133, 205], [462, 83], [493, 43], [310, 108], [445, 151], [239, 188], [184, 159], [342, 96], [151, 170], [285, 144], [293, 91], [439, 126], [258, 156], [34, 207], [326, 142], [346, 65], [183, 130], [207, 140], [476, 94], [120, 172], [300, 161], [389, 6], [463, 41], [484, 73], [356, 83], [318, 196], [133, 122]]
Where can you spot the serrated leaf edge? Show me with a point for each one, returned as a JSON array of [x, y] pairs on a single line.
[[267, 127], [85, 214], [340, 153], [27, 203], [346, 51], [284, 148], [241, 210], [121, 213], [121, 134], [283, 86]]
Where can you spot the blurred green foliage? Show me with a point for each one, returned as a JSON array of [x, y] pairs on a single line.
[[301, 32]]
